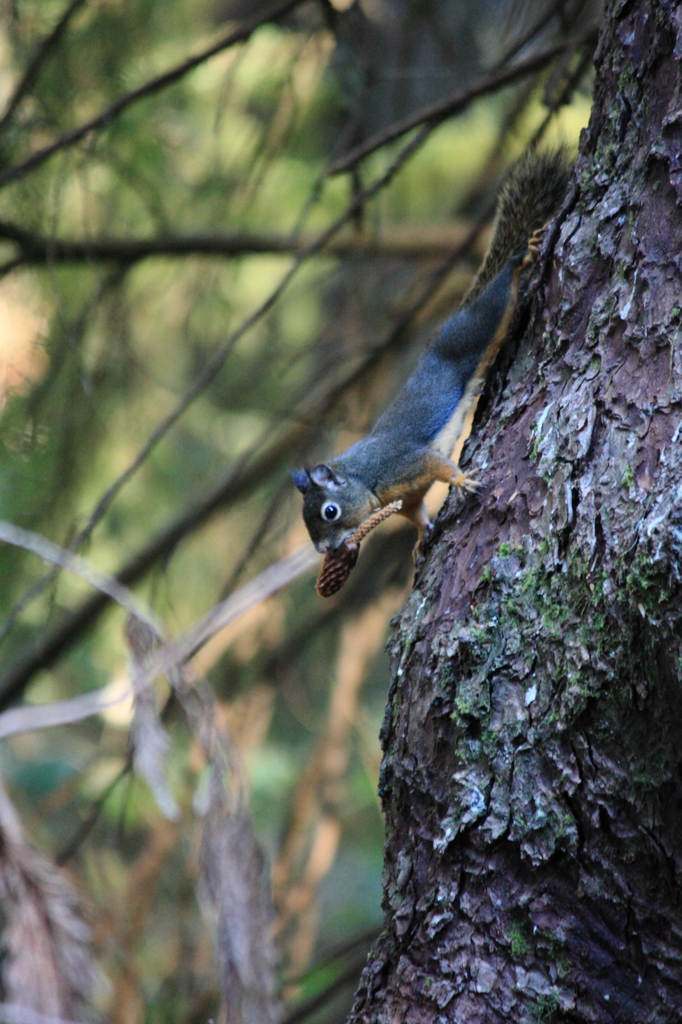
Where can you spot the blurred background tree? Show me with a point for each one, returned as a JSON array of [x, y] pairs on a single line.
[[226, 231]]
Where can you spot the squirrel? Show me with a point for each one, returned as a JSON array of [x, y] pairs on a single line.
[[410, 446]]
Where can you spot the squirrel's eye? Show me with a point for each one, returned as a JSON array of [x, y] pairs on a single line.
[[331, 511]]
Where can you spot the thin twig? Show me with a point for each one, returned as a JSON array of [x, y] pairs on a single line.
[[257, 537], [431, 116], [42, 52], [10, 266], [361, 939], [87, 825], [343, 980], [150, 87], [533, 30], [564, 97]]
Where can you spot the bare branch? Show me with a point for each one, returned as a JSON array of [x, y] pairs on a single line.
[[347, 978], [149, 663], [433, 114], [15, 1013], [149, 740], [267, 583], [42, 52], [106, 584], [154, 85], [392, 244], [571, 84], [59, 712]]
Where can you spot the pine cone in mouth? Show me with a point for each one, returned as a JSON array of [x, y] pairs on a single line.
[[340, 562]]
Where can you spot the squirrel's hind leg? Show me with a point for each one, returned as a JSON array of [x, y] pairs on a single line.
[[443, 469], [418, 516]]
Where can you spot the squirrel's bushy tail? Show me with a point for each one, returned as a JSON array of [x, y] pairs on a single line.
[[531, 195]]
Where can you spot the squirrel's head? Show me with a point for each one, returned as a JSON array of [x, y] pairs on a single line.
[[333, 505]]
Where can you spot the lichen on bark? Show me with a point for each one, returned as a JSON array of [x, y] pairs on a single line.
[[532, 776]]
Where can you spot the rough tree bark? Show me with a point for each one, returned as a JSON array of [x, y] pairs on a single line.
[[532, 777]]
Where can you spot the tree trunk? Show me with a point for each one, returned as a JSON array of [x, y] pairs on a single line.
[[532, 778]]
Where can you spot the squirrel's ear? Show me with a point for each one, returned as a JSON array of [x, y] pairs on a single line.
[[301, 479], [324, 476]]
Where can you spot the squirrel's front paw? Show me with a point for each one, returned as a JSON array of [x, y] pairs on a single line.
[[466, 481]]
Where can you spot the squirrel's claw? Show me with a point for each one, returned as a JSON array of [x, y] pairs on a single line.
[[466, 481], [534, 243], [419, 553]]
